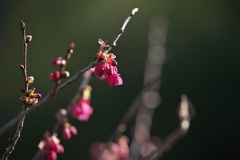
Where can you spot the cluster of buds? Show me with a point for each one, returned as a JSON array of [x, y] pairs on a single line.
[[30, 97], [62, 62], [82, 110], [106, 68], [50, 146], [111, 150], [68, 129]]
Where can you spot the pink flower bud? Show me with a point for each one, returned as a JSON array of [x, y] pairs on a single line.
[[66, 133], [59, 61], [37, 95], [24, 99], [73, 130], [55, 75]]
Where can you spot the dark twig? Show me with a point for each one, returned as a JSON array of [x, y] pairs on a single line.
[[121, 31], [185, 113], [69, 81], [13, 141]]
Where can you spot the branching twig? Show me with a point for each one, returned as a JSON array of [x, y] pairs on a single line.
[[76, 98], [186, 112], [46, 98], [132, 110], [151, 99], [69, 81], [13, 141]]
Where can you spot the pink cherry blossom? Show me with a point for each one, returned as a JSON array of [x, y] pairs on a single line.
[[82, 110]]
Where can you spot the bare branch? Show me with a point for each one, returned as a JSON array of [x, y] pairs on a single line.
[[114, 43], [185, 113], [13, 141]]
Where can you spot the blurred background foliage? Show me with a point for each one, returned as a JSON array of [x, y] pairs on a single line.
[[203, 55]]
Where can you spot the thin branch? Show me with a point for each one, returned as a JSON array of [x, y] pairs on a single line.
[[121, 31], [130, 114], [46, 98], [13, 141], [76, 98], [69, 81], [185, 112]]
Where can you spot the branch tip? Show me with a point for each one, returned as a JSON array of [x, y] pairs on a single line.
[[134, 11], [22, 25]]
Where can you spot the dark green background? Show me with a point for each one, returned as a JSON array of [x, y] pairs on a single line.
[[203, 61]]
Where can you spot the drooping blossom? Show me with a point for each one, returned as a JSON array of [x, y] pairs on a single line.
[[82, 110], [68, 131], [106, 68], [50, 146]]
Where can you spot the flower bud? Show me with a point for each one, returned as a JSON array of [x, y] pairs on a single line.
[[33, 101], [55, 75], [31, 92], [23, 99], [28, 38], [37, 95], [59, 61], [65, 74], [30, 79]]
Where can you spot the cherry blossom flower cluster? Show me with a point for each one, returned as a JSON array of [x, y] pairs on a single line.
[[113, 150], [82, 110], [50, 146], [106, 68], [30, 97]]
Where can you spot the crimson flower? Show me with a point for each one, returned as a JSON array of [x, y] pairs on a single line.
[[82, 110], [50, 146]]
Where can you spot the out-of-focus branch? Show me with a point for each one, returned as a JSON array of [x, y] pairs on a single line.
[[13, 141], [69, 81], [150, 99], [185, 113], [131, 112]]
